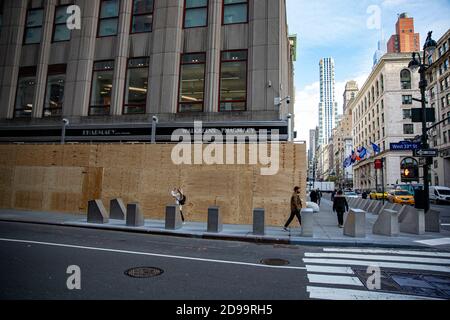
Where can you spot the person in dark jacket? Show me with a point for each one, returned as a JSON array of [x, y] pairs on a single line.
[[319, 196], [340, 206], [333, 194], [313, 196], [364, 195], [296, 208]]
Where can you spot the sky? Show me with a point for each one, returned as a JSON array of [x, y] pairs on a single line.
[[348, 31]]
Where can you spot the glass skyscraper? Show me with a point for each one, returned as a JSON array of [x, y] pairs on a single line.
[[328, 104]]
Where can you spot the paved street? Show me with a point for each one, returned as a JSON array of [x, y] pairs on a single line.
[[35, 259]]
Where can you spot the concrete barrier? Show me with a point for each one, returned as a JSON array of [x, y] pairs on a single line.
[[259, 227], [307, 223], [387, 224], [433, 221], [372, 206], [355, 224], [413, 222], [97, 212], [358, 202], [135, 218], [377, 208], [173, 217], [366, 205], [214, 220], [117, 209]]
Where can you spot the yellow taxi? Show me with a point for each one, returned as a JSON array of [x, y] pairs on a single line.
[[378, 195], [401, 197]]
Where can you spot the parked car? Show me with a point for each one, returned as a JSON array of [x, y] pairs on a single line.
[[440, 194], [351, 194], [374, 195], [400, 196]]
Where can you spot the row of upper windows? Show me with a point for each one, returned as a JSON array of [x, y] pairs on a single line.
[[195, 15], [232, 86]]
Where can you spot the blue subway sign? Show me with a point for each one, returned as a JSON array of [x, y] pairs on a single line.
[[405, 146]]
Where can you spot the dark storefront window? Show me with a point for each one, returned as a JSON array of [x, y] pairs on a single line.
[[142, 16], [233, 81], [33, 26], [60, 30], [235, 11], [102, 82], [137, 86], [54, 94], [195, 13], [26, 87], [192, 82], [109, 18]]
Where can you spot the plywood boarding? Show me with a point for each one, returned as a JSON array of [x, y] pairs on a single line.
[[63, 179]]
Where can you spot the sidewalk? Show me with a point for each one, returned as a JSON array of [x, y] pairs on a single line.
[[326, 231]]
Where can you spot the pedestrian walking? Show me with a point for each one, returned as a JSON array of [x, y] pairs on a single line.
[[180, 199], [340, 206], [333, 194], [296, 207], [364, 195], [313, 196], [319, 196]]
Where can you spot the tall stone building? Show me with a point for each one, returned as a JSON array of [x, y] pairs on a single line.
[[381, 114], [439, 99], [223, 62]]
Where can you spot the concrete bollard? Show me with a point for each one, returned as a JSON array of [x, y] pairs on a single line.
[[366, 205], [173, 217], [373, 204], [214, 220], [134, 216], [259, 227], [433, 221], [377, 208], [387, 224], [358, 202], [355, 224], [117, 209], [413, 222], [307, 223], [97, 212]]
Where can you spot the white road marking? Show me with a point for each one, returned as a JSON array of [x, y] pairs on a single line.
[[400, 252], [377, 257], [410, 266], [329, 269], [151, 254], [339, 280], [347, 294], [445, 224], [435, 242]]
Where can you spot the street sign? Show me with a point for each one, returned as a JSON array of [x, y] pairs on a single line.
[[378, 164], [426, 153], [405, 146], [416, 115]]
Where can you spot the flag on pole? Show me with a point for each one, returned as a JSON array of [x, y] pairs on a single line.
[[348, 162], [376, 148], [362, 153]]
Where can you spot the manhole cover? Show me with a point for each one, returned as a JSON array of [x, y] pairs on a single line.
[[144, 272], [275, 262]]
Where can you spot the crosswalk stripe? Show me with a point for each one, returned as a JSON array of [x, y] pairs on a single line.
[[340, 280], [435, 242], [377, 257], [347, 294], [366, 263], [329, 269], [400, 252]]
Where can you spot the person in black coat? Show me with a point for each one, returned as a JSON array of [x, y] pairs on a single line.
[[314, 196], [340, 206]]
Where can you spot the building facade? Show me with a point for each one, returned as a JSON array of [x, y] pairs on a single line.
[[222, 62], [328, 104], [405, 39], [438, 95], [381, 114]]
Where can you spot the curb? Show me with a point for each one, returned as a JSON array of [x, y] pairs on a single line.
[[252, 239]]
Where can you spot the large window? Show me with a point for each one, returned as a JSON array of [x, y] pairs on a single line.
[[233, 81], [192, 82], [109, 18], [60, 30], [235, 11], [33, 26], [405, 76], [407, 99], [408, 129], [102, 82], [142, 16], [54, 94], [137, 86], [195, 13], [26, 86], [406, 114]]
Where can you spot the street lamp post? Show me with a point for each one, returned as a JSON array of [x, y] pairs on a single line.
[[415, 64]]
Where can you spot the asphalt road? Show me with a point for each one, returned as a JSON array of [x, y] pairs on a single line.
[[35, 258]]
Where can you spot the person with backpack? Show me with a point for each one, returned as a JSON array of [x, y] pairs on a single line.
[[296, 208], [340, 206], [180, 199], [313, 196]]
